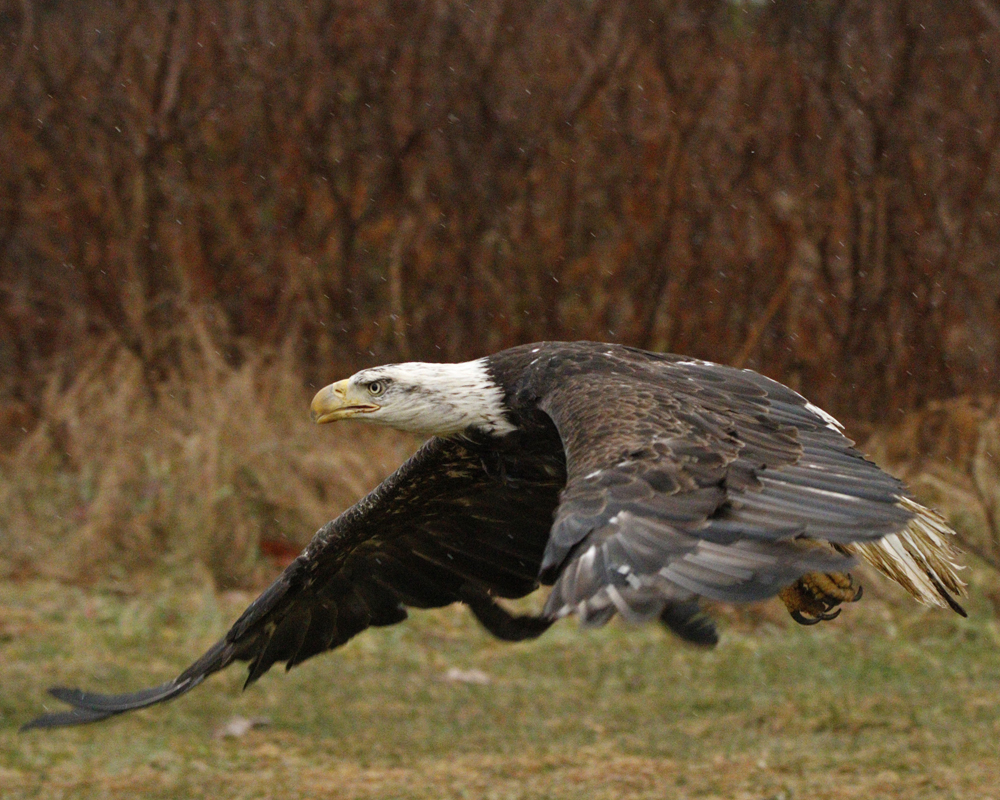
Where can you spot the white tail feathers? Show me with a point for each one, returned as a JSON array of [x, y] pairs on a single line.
[[921, 558]]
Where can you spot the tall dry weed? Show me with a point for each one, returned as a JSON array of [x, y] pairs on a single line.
[[120, 478], [949, 453]]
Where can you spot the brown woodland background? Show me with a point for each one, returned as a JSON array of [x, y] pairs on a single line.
[[194, 191]]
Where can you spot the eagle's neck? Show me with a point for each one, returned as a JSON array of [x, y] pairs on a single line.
[[449, 399]]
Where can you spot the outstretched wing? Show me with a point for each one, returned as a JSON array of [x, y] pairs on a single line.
[[456, 522], [688, 479]]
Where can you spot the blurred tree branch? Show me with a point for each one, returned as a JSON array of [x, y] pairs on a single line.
[[809, 190]]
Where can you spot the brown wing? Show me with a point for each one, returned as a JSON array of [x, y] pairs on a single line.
[[455, 523], [693, 480]]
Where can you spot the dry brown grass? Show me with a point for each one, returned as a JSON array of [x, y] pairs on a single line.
[[949, 454], [204, 468]]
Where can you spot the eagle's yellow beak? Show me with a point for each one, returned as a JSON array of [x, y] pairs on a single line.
[[338, 401]]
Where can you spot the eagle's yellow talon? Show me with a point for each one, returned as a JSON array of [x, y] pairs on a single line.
[[814, 597]]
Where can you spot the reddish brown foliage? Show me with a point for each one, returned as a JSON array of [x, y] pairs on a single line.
[[807, 188]]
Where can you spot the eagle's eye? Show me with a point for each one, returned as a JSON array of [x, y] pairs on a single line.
[[376, 388]]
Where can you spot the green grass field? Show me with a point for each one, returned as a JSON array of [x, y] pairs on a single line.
[[883, 703]]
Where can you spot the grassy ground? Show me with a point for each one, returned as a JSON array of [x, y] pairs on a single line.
[[885, 703]]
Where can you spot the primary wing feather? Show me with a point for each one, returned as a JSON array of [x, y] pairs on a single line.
[[456, 522]]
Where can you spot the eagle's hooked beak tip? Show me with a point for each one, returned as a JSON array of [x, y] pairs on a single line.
[[331, 403]]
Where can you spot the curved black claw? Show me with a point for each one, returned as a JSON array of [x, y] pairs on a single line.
[[827, 615]]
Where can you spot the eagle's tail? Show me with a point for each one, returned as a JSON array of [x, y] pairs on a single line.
[[921, 558]]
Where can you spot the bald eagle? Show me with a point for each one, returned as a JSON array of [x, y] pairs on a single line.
[[632, 483]]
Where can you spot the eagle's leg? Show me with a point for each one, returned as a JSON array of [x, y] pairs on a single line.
[[815, 597]]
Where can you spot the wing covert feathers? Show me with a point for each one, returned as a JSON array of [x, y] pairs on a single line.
[[687, 479]]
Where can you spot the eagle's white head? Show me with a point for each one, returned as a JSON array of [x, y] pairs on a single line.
[[435, 399]]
